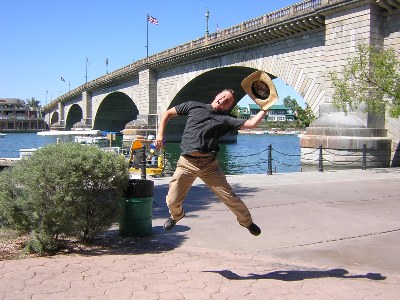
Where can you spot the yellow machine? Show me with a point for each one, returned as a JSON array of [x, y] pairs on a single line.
[[154, 158]]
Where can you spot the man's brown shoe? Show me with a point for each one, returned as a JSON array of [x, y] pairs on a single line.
[[169, 224], [254, 229]]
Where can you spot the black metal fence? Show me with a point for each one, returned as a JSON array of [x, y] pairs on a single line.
[[319, 158]]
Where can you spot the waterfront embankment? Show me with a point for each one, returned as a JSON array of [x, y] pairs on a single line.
[[7, 162], [271, 131]]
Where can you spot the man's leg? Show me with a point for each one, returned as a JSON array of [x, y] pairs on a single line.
[[182, 180], [215, 179]]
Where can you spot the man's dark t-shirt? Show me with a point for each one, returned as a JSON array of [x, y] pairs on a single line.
[[204, 126]]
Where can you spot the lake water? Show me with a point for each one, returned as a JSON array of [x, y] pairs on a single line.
[[248, 156]]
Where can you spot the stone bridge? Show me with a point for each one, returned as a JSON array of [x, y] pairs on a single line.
[[299, 44]]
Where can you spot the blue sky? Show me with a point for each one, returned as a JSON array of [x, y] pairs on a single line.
[[44, 40]]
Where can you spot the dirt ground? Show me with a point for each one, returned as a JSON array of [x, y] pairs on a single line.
[[12, 246]]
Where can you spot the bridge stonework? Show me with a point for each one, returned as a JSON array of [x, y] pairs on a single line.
[[299, 44], [351, 133]]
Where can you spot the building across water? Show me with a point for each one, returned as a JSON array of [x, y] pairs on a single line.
[[16, 115], [276, 113]]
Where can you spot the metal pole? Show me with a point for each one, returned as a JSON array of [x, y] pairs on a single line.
[[364, 157], [207, 17], [269, 171], [143, 163], [86, 68], [320, 165], [147, 44]]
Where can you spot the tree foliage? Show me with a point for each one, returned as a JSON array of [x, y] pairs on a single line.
[[235, 111], [371, 77], [33, 103], [63, 189], [304, 116]]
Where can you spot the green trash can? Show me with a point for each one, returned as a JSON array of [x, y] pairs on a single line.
[[136, 219], [136, 209]]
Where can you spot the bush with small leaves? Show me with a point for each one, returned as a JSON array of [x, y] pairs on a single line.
[[63, 189]]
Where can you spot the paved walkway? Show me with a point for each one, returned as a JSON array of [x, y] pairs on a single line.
[[331, 235]]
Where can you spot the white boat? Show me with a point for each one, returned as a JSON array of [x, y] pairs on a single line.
[[2, 135], [70, 132], [25, 153], [100, 141], [90, 137]]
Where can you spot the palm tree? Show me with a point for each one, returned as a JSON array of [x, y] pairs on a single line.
[[33, 103]]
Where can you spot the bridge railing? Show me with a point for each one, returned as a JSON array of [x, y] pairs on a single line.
[[264, 20], [305, 6]]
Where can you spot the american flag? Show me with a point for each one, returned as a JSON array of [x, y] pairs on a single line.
[[152, 20]]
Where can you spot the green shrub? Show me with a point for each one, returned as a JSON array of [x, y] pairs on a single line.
[[63, 189]]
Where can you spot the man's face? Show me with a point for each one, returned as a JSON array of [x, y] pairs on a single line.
[[223, 101]]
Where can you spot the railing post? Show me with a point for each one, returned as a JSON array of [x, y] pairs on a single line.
[[364, 157], [269, 172], [320, 164], [143, 163]]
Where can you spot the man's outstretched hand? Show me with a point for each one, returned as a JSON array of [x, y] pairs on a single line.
[[159, 142]]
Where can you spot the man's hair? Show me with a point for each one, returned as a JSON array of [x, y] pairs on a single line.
[[232, 92]]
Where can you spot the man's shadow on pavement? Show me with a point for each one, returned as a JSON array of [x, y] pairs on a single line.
[[297, 275]]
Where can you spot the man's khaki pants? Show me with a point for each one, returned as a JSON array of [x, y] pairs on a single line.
[[208, 170]]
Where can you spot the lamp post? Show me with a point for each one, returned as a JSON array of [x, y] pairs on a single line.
[[87, 61], [106, 65], [207, 17]]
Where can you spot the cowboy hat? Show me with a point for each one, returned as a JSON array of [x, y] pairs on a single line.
[[259, 86]]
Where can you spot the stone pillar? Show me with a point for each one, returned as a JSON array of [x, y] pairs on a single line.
[[60, 125], [341, 135], [147, 106], [148, 96], [61, 108], [87, 109]]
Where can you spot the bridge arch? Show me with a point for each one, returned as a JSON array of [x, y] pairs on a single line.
[[298, 77], [74, 115], [114, 112], [203, 87], [206, 84], [55, 118]]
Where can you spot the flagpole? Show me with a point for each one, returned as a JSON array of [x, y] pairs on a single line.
[[147, 45], [86, 68]]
